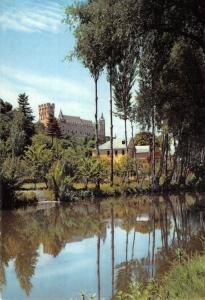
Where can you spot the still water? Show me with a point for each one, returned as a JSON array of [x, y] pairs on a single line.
[[54, 253]]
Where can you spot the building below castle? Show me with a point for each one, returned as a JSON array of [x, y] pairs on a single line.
[[71, 125]]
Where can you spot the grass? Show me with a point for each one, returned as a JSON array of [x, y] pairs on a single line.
[[184, 281], [117, 186], [33, 186]]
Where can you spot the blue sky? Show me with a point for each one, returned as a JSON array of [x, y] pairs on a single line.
[[34, 43]]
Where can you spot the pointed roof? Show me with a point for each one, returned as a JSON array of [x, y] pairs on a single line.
[[60, 114]]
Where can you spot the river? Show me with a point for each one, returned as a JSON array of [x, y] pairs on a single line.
[[54, 252]]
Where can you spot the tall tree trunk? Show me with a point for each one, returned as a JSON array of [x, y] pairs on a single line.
[[96, 126], [96, 117], [126, 143], [111, 131], [55, 189], [153, 151], [166, 154], [134, 153]]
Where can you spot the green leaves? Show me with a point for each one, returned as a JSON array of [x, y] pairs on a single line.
[[38, 159]]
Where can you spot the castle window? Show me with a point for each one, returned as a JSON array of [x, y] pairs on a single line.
[[108, 153], [123, 152], [116, 153]]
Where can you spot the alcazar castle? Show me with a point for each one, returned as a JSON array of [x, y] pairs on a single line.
[[71, 125]]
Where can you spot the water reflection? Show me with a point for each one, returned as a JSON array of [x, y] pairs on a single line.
[[55, 253]]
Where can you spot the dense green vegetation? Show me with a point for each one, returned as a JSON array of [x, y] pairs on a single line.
[[42, 156], [144, 41], [161, 44], [185, 281]]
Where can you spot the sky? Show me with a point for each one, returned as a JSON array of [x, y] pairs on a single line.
[[34, 44]]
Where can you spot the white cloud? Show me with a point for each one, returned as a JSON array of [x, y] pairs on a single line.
[[68, 88], [37, 18], [74, 98]]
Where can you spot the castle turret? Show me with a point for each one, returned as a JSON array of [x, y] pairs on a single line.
[[45, 110], [101, 131], [60, 116]]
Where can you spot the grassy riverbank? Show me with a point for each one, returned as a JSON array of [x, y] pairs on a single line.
[[184, 281], [80, 192]]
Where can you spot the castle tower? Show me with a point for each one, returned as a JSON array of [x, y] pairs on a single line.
[[101, 130], [44, 111]]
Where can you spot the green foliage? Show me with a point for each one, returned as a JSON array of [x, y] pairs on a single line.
[[17, 138], [24, 108], [123, 81], [6, 114], [38, 160], [186, 281], [59, 180], [92, 170], [53, 128]]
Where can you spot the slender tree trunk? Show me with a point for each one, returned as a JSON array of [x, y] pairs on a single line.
[[135, 156], [126, 143], [111, 131], [96, 126], [55, 189], [153, 150], [96, 117], [166, 155]]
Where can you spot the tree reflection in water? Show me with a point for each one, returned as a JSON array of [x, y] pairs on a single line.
[[170, 222]]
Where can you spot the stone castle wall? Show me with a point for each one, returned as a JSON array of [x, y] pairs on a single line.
[[44, 111], [70, 125]]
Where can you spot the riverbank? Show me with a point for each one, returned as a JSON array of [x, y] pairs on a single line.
[[33, 193], [79, 192], [184, 281]]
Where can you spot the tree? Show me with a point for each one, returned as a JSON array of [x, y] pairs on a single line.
[[25, 109], [91, 169], [38, 159], [181, 19], [124, 79], [144, 138], [187, 94], [6, 115], [17, 138], [53, 129], [88, 47]]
